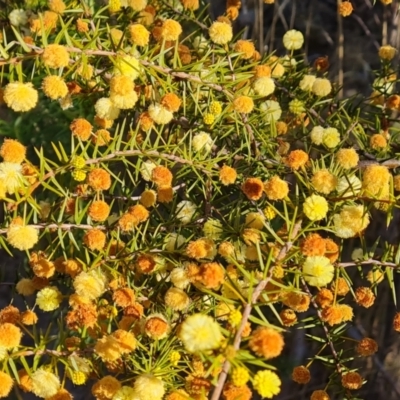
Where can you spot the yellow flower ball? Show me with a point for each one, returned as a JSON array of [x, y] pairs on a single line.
[[49, 298], [243, 104], [54, 87], [105, 108], [170, 30], [22, 237], [149, 387], [387, 52], [20, 96], [293, 40], [200, 333], [315, 207], [139, 34], [55, 56], [44, 383], [267, 384], [331, 137], [127, 65], [264, 86], [321, 87], [307, 82], [318, 271], [220, 32]]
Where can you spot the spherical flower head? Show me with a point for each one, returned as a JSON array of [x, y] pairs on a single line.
[[266, 342], [148, 198], [177, 299], [264, 86], [81, 128], [138, 5], [271, 111], [364, 297], [201, 248], [174, 242], [345, 8], [307, 82], [55, 56], [125, 102], [387, 52], [324, 182], [315, 207], [179, 278], [171, 102], [267, 384], [253, 188], [22, 237], [319, 395], [159, 114], [276, 188], [106, 387], [12, 151], [146, 170], [215, 108], [99, 179], [366, 347], [347, 158], [318, 271], [240, 376], [255, 220], [375, 179], [185, 211], [20, 96], [49, 298], [243, 104], [296, 107], [18, 17], [121, 85], [6, 384], [321, 87], [99, 210], [148, 387], [125, 393], [220, 32], [54, 87], [106, 109], [324, 298], [352, 220], [127, 65], [165, 194], [202, 142], [313, 245], [139, 35], [200, 333], [156, 326], [211, 274], [246, 48], [57, 6], [293, 40], [161, 176], [227, 175], [171, 30], [301, 374], [352, 380], [288, 317], [10, 336], [90, 284], [44, 383], [190, 4], [331, 137], [377, 141], [296, 159], [336, 314], [212, 229], [317, 134]]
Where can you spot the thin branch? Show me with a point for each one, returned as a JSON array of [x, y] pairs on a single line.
[[368, 262], [246, 314], [324, 327]]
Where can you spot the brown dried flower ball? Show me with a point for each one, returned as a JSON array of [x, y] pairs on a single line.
[[301, 375], [366, 347], [352, 380]]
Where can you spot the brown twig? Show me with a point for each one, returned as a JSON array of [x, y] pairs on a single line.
[[324, 327], [246, 314]]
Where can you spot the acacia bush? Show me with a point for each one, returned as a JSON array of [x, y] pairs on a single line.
[[191, 208]]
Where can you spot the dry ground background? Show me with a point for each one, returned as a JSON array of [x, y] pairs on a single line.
[[351, 46]]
